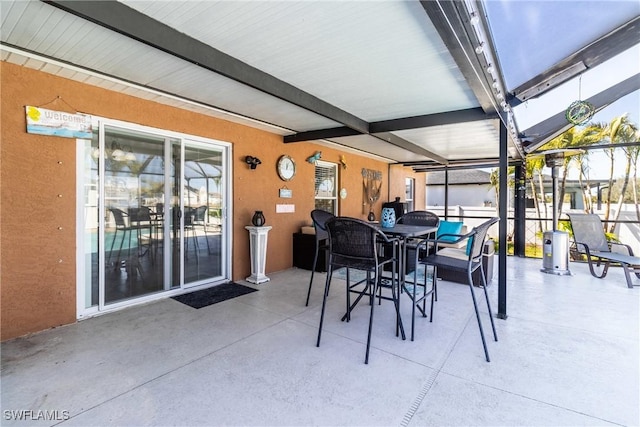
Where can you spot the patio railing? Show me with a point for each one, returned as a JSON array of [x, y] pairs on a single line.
[[627, 227]]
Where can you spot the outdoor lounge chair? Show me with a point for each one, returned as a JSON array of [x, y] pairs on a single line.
[[591, 241]]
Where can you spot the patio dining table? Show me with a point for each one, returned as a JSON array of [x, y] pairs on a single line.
[[404, 232], [401, 233]]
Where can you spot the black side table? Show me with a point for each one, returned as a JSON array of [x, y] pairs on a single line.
[[304, 247]]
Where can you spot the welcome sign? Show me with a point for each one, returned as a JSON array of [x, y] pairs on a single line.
[[58, 123]]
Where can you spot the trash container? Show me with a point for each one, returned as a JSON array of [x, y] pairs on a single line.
[[555, 253]]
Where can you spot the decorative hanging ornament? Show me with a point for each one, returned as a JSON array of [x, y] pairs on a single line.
[[579, 112]]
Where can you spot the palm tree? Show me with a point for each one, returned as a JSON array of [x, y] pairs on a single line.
[[619, 130], [534, 166], [582, 161], [588, 136], [635, 154], [494, 181], [574, 137], [626, 133]]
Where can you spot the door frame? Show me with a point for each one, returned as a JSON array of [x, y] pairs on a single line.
[[83, 312]]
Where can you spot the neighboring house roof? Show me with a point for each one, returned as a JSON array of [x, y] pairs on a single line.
[[459, 177], [547, 179]]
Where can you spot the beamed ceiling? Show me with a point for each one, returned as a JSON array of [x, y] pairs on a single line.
[[424, 84]]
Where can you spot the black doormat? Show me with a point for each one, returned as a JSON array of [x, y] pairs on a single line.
[[215, 294]]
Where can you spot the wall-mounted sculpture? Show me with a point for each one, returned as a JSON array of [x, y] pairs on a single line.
[[371, 186]]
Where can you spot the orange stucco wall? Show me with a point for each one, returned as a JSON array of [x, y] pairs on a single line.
[[38, 187]]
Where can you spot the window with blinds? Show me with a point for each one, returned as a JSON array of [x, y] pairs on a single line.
[[326, 183]]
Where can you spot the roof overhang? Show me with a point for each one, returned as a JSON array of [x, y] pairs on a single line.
[[428, 90]]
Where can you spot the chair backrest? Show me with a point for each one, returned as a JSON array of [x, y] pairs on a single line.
[[588, 229], [140, 214], [200, 214], [188, 215], [320, 218], [353, 243], [479, 235], [419, 218], [118, 216]]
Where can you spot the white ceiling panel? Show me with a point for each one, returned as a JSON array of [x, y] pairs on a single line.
[[373, 145], [199, 84], [69, 72], [121, 57], [375, 60], [294, 66], [390, 51], [472, 140]]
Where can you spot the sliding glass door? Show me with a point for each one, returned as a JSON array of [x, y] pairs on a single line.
[[153, 215], [202, 213]]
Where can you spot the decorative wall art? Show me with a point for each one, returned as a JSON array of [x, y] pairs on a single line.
[[313, 159], [371, 185]]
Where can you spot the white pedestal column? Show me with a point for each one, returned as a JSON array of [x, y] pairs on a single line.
[[258, 244]]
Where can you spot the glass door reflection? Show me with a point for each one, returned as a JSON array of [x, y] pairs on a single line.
[[134, 196], [153, 215], [202, 213]]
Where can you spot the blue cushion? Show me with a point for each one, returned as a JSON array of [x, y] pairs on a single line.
[[449, 227], [469, 245]]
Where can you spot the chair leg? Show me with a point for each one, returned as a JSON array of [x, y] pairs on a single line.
[[141, 253], [365, 291], [206, 238], [434, 288], [117, 264], [124, 233], [486, 296], [413, 303], [348, 313], [627, 275], [324, 303], [424, 294], [373, 305], [592, 269], [435, 281], [112, 243], [395, 295], [313, 269], [475, 306], [433, 295]]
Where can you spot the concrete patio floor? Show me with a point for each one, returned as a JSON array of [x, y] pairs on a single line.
[[568, 354]]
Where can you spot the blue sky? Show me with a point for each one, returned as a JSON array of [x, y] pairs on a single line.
[[629, 104], [530, 36]]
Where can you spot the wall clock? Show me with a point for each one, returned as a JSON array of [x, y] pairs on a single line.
[[286, 168]]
